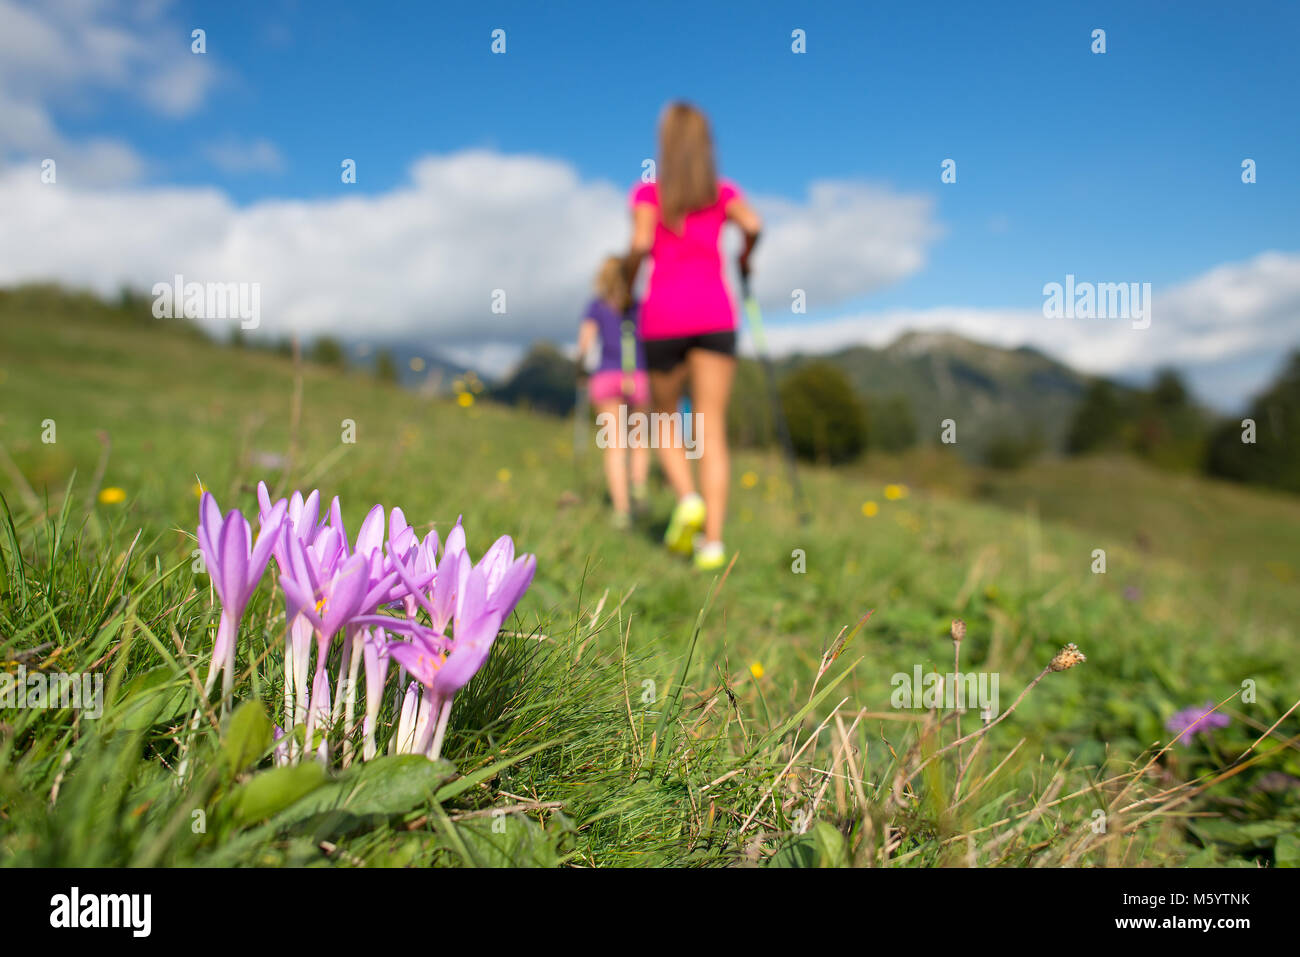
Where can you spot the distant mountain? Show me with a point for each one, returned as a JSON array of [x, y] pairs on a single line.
[[418, 366], [544, 380], [990, 392]]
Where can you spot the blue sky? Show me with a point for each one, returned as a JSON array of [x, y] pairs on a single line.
[[1123, 166]]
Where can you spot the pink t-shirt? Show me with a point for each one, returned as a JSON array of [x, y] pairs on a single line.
[[688, 294]]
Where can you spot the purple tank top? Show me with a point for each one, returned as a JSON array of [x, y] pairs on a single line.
[[610, 325]]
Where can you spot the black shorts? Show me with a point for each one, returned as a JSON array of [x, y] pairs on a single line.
[[664, 355]]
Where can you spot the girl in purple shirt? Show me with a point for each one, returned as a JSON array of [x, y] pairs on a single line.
[[618, 380]]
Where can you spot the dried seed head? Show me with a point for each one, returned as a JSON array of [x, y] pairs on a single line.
[[1069, 656], [958, 630]]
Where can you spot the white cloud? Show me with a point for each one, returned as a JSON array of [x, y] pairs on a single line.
[[179, 87], [254, 156], [423, 259], [847, 240], [1222, 328], [62, 51]]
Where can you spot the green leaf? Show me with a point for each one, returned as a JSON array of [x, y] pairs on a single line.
[[397, 783], [513, 840], [271, 791], [831, 850], [799, 852], [393, 784], [248, 735], [1286, 853]]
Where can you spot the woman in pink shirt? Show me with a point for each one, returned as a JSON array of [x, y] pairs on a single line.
[[688, 319]]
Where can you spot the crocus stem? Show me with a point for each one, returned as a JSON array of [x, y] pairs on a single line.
[[301, 664], [223, 661], [402, 741], [341, 686], [375, 657], [435, 749], [349, 721], [424, 722], [318, 684], [288, 690], [208, 684]]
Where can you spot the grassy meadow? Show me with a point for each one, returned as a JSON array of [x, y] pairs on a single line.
[[636, 712]]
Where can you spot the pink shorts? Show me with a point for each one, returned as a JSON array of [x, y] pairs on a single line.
[[609, 386]]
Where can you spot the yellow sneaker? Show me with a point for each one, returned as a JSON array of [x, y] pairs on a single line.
[[709, 556], [687, 520]]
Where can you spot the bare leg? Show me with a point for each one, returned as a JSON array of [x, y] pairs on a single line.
[[615, 458], [711, 377], [639, 455], [665, 390]]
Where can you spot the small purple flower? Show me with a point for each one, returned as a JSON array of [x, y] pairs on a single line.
[[1196, 721], [235, 565], [484, 596]]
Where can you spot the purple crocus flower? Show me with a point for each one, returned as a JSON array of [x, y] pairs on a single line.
[[484, 596], [301, 516], [507, 577], [337, 588], [235, 565], [1196, 721]]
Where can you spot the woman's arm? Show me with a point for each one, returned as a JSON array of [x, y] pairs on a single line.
[[586, 338], [743, 215], [644, 219]]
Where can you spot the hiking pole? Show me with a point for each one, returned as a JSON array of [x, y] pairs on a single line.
[[581, 429], [755, 319]]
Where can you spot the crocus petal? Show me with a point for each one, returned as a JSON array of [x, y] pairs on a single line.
[[336, 522], [308, 516], [420, 660], [497, 560], [233, 574], [467, 657], [268, 535], [210, 516], [444, 589], [413, 589], [371, 536], [455, 541], [263, 499], [397, 526], [471, 599], [429, 550], [346, 591], [513, 585], [300, 602]]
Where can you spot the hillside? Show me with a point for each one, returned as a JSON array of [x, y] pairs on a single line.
[[989, 391], [1199, 592]]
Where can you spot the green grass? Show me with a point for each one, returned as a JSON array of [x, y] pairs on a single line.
[[579, 727]]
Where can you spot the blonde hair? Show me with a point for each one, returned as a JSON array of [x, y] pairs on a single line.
[[687, 175], [611, 284]]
